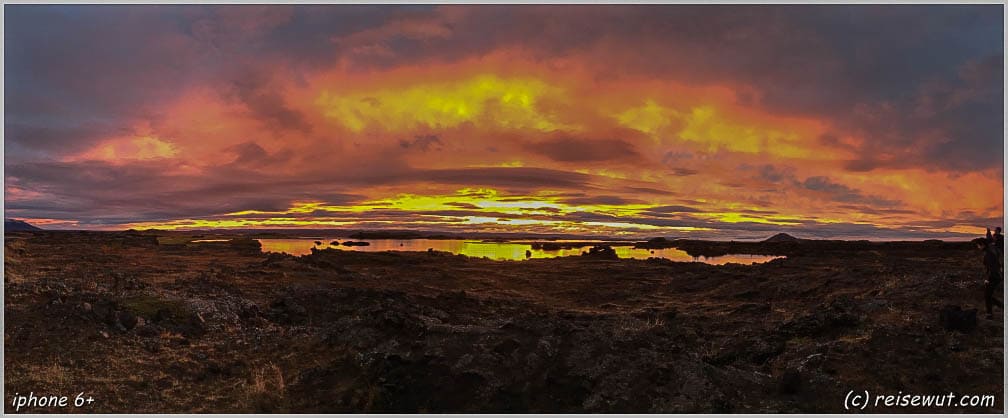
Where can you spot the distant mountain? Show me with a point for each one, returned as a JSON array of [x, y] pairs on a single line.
[[16, 225], [782, 237]]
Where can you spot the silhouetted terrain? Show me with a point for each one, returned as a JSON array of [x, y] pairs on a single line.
[[161, 324], [18, 225], [781, 237]]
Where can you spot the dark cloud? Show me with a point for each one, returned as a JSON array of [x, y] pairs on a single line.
[[755, 230], [56, 137], [63, 64], [507, 178], [104, 194], [952, 123], [841, 193], [462, 205], [421, 142], [816, 187], [266, 104], [682, 172], [649, 190], [674, 156], [601, 200], [876, 211], [541, 209], [774, 174], [576, 150], [74, 73], [758, 212], [251, 154], [667, 209], [101, 192], [140, 191]]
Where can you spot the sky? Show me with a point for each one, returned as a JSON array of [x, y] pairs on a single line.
[[716, 121]]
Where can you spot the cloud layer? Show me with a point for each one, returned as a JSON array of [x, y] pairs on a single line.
[[708, 121]]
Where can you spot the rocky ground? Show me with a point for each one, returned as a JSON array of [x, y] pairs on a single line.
[[147, 325]]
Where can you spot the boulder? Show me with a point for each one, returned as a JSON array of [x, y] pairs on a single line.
[[790, 382], [186, 323], [954, 318], [507, 346], [128, 320], [286, 309], [148, 330], [604, 252], [827, 317]]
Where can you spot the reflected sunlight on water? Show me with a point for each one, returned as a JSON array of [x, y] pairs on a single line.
[[494, 250]]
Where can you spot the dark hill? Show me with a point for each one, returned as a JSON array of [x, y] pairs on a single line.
[[782, 237], [16, 225]]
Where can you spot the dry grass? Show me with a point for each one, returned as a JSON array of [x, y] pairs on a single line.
[[265, 389], [173, 240], [267, 379], [51, 373], [629, 326], [89, 283]]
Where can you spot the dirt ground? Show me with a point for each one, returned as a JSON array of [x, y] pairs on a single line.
[[147, 325]]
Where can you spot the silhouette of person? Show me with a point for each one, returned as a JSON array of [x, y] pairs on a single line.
[[992, 276], [999, 241], [995, 236]]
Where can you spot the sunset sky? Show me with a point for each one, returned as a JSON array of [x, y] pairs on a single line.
[[679, 121]]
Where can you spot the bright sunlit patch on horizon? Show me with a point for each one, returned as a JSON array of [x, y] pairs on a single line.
[[46, 223], [237, 223]]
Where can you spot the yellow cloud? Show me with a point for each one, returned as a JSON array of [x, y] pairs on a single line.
[[649, 118], [705, 125], [510, 103], [139, 148], [708, 127]]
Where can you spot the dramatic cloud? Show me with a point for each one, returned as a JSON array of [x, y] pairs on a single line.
[[583, 151], [681, 120]]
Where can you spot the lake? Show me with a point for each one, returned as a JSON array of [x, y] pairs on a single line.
[[493, 250]]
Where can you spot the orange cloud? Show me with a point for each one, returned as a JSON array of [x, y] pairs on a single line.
[[617, 130]]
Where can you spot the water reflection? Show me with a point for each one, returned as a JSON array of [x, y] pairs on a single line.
[[494, 250]]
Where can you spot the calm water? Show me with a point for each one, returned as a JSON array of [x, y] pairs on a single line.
[[493, 250]]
